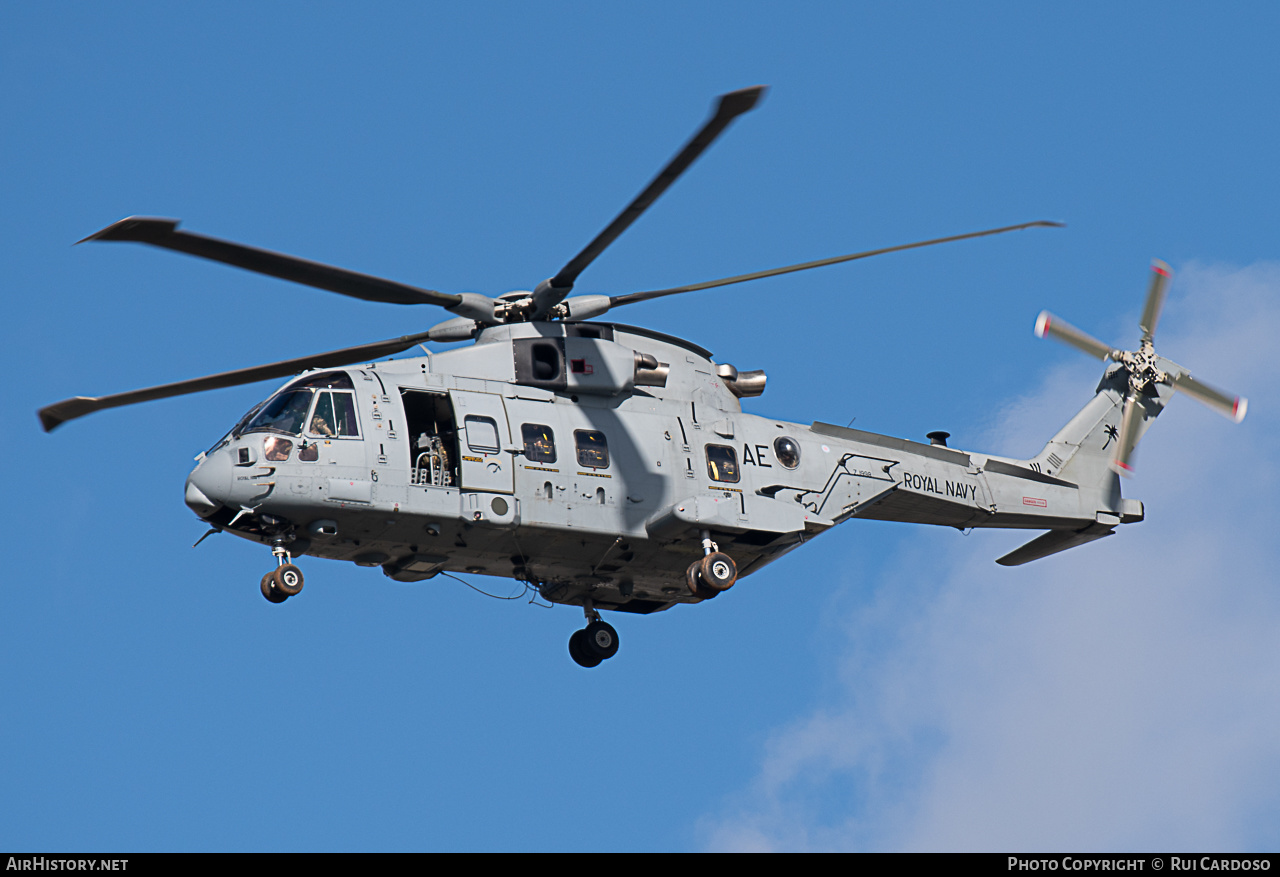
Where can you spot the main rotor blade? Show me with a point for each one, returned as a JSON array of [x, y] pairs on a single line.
[[631, 297], [164, 233], [730, 106], [55, 415], [1049, 325], [1161, 274], [1128, 436], [1234, 407]]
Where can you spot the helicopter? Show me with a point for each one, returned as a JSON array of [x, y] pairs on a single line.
[[608, 466]]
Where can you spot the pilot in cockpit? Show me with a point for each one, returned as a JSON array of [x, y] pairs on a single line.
[[320, 426]]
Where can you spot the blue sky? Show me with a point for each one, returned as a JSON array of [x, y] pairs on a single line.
[[888, 687]]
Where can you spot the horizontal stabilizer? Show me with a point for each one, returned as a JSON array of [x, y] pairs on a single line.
[[1053, 542]]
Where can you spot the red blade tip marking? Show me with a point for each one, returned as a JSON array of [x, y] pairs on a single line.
[[1239, 409]]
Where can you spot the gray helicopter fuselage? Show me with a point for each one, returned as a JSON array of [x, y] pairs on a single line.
[[612, 467], [590, 459]]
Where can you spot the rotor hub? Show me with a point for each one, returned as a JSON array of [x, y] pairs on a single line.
[[1142, 367]]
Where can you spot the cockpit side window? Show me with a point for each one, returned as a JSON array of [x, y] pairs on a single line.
[[334, 415], [322, 422], [344, 408]]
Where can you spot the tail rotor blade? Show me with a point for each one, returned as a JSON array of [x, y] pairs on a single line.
[[1047, 325], [1128, 436], [1234, 407], [1161, 274]]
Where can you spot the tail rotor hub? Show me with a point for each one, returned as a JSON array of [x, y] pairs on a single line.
[[1142, 367]]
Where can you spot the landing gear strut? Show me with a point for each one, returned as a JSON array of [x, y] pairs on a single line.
[[285, 580], [597, 642]]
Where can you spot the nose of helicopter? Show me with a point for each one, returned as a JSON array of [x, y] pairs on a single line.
[[209, 484]]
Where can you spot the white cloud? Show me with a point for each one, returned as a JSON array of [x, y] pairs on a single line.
[[1123, 695]]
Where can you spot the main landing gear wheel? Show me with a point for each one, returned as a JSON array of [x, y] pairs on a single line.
[[597, 642], [287, 579], [718, 571], [600, 640], [578, 650], [693, 578], [269, 590]]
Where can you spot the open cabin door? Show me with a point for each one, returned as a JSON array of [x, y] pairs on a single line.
[[483, 438]]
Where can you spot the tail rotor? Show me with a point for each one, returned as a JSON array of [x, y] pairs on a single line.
[[1145, 368]]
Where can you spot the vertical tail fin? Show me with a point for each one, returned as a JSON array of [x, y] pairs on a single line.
[[1084, 450]]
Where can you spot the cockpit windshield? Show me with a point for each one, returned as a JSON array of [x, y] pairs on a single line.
[[286, 412], [238, 428]]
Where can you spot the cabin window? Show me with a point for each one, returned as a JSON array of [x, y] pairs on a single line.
[[722, 464], [539, 443], [482, 434], [334, 415], [593, 449], [787, 451]]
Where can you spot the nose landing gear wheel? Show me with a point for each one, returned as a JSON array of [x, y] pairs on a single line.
[[269, 591], [287, 579], [578, 650]]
